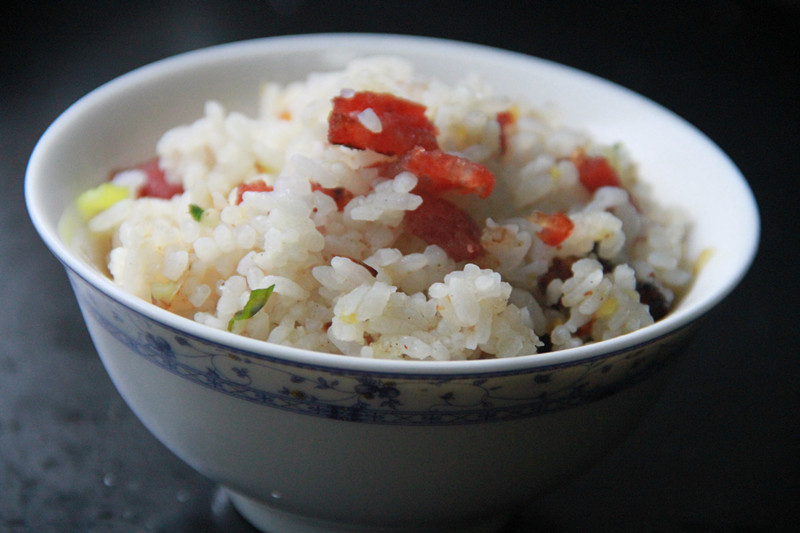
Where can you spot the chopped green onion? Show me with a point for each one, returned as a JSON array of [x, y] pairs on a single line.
[[196, 211], [100, 198], [258, 297], [163, 292]]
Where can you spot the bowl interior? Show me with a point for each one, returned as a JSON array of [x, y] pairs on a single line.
[[119, 123]]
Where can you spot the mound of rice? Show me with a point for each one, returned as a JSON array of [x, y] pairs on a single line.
[[350, 279]]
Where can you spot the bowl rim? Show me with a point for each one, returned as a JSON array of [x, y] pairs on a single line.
[[673, 322]]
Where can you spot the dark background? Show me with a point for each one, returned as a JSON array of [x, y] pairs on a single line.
[[720, 452]]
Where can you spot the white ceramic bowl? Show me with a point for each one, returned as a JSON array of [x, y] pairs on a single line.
[[317, 442]]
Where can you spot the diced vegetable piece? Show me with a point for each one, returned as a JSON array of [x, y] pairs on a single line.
[[607, 308], [339, 194], [163, 292], [585, 331], [401, 124], [556, 227], [441, 222], [100, 198], [196, 211], [506, 119], [595, 172], [157, 185], [255, 186], [258, 298], [439, 172]]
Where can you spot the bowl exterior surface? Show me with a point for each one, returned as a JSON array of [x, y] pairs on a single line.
[[325, 441], [369, 397]]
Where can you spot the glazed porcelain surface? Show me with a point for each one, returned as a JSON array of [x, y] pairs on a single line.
[[318, 442]]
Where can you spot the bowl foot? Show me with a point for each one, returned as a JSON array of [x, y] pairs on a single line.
[[268, 519]]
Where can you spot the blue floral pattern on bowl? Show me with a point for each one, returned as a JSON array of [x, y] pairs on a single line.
[[374, 398]]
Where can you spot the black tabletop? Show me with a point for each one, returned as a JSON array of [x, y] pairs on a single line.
[[720, 451]]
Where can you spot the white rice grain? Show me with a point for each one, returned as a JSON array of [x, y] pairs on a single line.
[[369, 119]]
